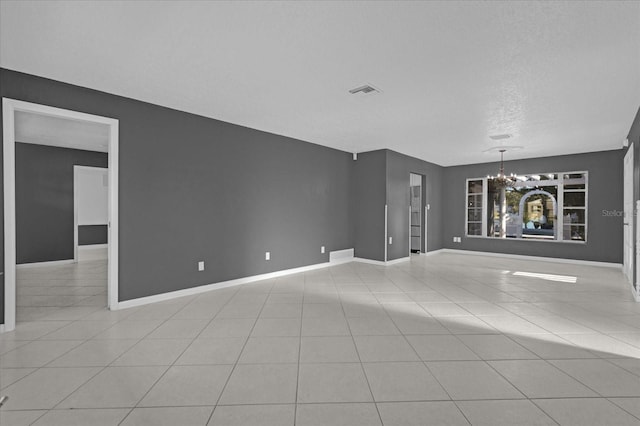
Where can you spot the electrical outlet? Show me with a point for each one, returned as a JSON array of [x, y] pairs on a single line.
[[201, 265], [322, 249], [267, 255], [390, 240], [455, 239]]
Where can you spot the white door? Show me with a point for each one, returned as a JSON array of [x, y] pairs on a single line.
[[90, 199], [628, 215]]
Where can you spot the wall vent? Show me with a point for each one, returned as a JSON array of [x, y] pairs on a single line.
[[364, 89]]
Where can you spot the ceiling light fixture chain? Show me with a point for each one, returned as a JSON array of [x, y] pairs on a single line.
[[502, 181]]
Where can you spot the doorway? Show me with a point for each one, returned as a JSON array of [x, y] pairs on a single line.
[[90, 212], [12, 109], [417, 224]]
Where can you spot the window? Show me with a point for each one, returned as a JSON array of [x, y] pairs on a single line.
[[548, 206]]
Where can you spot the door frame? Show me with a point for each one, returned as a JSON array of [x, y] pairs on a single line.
[[76, 198], [9, 108], [424, 208], [628, 242]]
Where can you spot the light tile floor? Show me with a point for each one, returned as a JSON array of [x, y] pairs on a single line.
[[444, 339]]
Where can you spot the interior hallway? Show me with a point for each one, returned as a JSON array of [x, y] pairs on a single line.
[[441, 339], [42, 291]]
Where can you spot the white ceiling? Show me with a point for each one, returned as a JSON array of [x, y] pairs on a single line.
[[63, 132], [561, 77]]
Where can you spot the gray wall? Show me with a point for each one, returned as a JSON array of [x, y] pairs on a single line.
[[399, 167], [368, 200], [194, 188], [382, 177], [92, 234], [604, 239], [44, 200]]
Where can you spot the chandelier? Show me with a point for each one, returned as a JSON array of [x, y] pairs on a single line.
[[502, 181]]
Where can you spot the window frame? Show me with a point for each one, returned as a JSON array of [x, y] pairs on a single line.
[[559, 220]]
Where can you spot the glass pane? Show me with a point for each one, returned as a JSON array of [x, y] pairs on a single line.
[[575, 180], [475, 215], [574, 232], [474, 229], [475, 200], [573, 216], [574, 199], [475, 186]]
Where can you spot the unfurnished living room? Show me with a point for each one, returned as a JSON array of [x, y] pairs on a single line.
[[341, 213]]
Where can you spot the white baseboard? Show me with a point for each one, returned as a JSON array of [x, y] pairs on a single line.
[[344, 256], [380, 262], [635, 293], [2, 328], [224, 284], [536, 258], [42, 264], [93, 246], [431, 253]]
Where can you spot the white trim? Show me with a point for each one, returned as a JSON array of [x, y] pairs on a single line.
[[224, 284], [410, 227], [9, 107], [369, 261], [386, 232], [426, 229], [75, 213], [114, 209], [431, 253], [93, 246], [399, 260], [536, 258], [246, 280], [9, 176], [43, 264], [636, 290], [628, 245], [381, 263]]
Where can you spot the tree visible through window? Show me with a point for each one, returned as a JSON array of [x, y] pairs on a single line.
[[550, 206]]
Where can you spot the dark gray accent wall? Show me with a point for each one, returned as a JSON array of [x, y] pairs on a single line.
[[92, 234], [194, 188], [44, 200], [382, 177], [368, 200], [604, 240], [399, 167]]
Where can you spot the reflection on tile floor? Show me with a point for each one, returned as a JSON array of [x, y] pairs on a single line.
[[443, 339]]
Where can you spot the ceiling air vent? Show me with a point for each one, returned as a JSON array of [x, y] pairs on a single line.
[[364, 89], [499, 137]]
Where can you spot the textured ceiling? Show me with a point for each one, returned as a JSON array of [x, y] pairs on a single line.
[[561, 77]]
